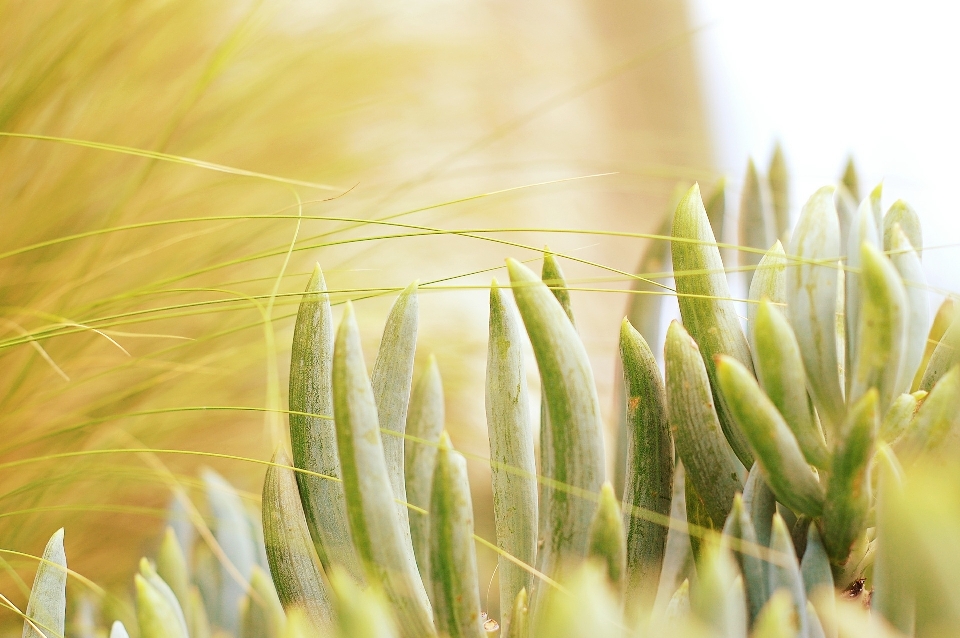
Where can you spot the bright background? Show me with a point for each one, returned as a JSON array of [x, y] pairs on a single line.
[[833, 78]]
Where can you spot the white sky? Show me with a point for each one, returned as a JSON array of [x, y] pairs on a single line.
[[830, 78]]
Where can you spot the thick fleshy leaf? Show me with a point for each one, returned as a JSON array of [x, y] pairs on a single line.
[[588, 608], [313, 436], [261, 614], [513, 468], [649, 464], [903, 214], [941, 322], [739, 534], [117, 630], [360, 612], [172, 568], [453, 559], [156, 613], [199, 624], [607, 544], [708, 460], [907, 263], [848, 495], [381, 543], [760, 503], [47, 606], [815, 566], [424, 423], [779, 179], [150, 574], [864, 230], [757, 226], [391, 379], [716, 599], [643, 311], [206, 575], [850, 180], [781, 462], [234, 536], [899, 416], [768, 283], [945, 356], [297, 574], [784, 571], [520, 614], [574, 417], [892, 596], [778, 618], [846, 205], [708, 311], [936, 420], [677, 556], [811, 290], [779, 368], [881, 339]]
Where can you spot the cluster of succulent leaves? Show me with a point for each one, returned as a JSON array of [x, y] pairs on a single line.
[[754, 475]]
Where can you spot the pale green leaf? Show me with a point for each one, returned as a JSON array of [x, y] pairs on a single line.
[[784, 573], [607, 544], [47, 606], [864, 230], [779, 179], [172, 568], [768, 283], [758, 228], [892, 596], [903, 214], [360, 612], [262, 614], [740, 535], [157, 613]]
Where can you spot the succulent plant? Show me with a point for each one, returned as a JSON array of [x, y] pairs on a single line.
[[773, 456]]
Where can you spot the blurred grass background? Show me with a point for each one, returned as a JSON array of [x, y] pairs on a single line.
[[138, 288]]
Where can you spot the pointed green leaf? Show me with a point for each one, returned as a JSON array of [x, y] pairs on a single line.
[[574, 416], [864, 230], [903, 214], [907, 263], [709, 462], [697, 516], [937, 419], [768, 283], [313, 437], [207, 574], [453, 559], [391, 379], [784, 571], [892, 596], [850, 180], [643, 312], [261, 614], [715, 599], [945, 356], [552, 275], [757, 225], [607, 544], [899, 416], [424, 423], [811, 286], [740, 536], [520, 613], [158, 614], [941, 323], [380, 541], [848, 488], [588, 608], [779, 368], [513, 468], [881, 339], [233, 535], [705, 304], [361, 613], [172, 568], [779, 179], [678, 608], [781, 462], [199, 624], [117, 630], [815, 566], [297, 574], [47, 607], [760, 503], [649, 464], [778, 618], [846, 214]]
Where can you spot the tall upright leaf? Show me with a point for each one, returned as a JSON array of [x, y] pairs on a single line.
[[380, 541], [391, 379], [513, 468], [453, 560], [902, 213], [47, 606], [892, 597], [768, 283], [941, 322], [709, 462], [707, 310], [574, 417], [313, 437], [864, 231], [779, 179], [296, 570], [157, 615], [907, 262], [424, 425], [758, 228], [811, 285], [607, 544], [649, 464]]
